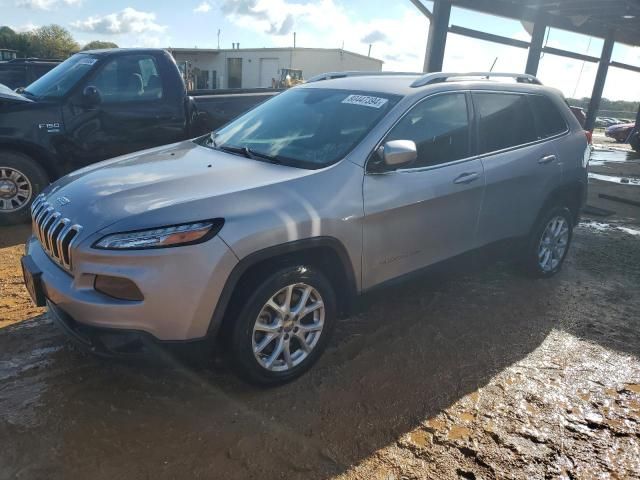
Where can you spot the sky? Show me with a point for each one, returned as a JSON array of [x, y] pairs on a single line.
[[396, 30]]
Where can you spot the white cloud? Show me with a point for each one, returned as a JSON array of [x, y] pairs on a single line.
[[399, 41], [46, 4], [28, 27], [204, 7], [128, 20]]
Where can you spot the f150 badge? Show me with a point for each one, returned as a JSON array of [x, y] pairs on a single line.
[[55, 127]]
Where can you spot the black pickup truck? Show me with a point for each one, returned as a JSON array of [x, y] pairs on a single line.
[[97, 105]]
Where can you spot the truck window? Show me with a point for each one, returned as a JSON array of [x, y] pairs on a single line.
[[128, 78]]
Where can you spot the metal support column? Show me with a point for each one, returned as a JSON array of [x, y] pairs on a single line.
[[438, 27], [535, 48], [598, 86]]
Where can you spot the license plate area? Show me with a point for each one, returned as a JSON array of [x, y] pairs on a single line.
[[32, 281]]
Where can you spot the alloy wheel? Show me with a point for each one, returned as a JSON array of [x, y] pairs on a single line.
[[288, 327], [553, 243]]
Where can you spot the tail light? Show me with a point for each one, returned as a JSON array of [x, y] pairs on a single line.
[[589, 136]]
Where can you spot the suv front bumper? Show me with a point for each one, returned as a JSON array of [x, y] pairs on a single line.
[[181, 287]]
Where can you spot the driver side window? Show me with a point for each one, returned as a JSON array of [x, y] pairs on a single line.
[[439, 126], [127, 79]]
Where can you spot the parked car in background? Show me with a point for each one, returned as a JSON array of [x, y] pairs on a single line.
[[620, 132], [261, 234], [97, 105], [20, 72]]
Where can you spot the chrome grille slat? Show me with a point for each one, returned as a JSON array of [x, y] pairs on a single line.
[[57, 234]]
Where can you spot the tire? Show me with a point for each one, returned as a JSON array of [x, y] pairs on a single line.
[[277, 327], [546, 250], [21, 180]]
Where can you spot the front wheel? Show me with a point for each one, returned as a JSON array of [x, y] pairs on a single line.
[[284, 326], [21, 179], [549, 243]]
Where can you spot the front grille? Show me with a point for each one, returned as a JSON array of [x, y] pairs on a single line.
[[55, 233]]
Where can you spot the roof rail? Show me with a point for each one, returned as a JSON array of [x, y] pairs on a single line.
[[437, 77], [332, 75]]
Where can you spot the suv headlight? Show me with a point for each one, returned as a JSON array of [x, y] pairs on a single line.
[[172, 236]]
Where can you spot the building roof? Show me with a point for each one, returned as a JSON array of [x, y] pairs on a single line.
[[598, 18], [269, 49]]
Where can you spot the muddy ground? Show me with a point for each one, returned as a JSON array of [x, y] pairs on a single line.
[[484, 374]]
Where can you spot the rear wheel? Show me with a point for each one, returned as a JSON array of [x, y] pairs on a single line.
[[284, 326], [549, 243], [21, 179]]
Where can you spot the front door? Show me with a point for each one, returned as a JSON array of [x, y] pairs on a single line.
[[428, 212], [135, 112]]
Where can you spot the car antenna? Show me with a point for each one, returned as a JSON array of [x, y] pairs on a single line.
[[492, 66]]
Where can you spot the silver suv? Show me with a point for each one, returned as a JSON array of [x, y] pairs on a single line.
[[262, 233]]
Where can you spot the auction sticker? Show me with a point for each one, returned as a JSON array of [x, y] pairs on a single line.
[[365, 101]]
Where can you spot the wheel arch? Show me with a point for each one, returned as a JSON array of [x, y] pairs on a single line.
[[38, 154], [572, 195], [327, 254]]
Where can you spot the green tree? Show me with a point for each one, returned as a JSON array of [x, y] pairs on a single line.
[[15, 41], [52, 41], [98, 44]]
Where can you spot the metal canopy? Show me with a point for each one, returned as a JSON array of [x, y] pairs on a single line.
[[598, 18]]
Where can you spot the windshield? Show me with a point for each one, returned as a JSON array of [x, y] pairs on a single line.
[[305, 127], [60, 80]]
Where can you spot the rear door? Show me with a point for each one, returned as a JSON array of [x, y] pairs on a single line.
[[521, 167], [426, 213], [137, 111]]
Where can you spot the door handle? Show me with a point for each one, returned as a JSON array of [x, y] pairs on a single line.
[[547, 159], [467, 177]]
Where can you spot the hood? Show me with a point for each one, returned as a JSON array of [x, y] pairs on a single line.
[[8, 95], [182, 180]]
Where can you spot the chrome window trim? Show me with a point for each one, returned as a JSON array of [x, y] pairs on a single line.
[[567, 130], [473, 121]]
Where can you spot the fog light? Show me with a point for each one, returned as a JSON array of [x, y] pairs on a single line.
[[118, 287]]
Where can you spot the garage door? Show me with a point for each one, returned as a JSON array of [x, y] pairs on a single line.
[[268, 70]]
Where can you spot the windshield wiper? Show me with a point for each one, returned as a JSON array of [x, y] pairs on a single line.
[[247, 152]]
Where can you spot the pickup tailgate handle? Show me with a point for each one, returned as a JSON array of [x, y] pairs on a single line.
[[467, 177], [547, 159]]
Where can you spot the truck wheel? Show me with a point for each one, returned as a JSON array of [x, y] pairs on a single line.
[[549, 243], [284, 326], [21, 180]]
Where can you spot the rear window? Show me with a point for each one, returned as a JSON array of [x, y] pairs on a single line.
[[505, 120], [549, 120]]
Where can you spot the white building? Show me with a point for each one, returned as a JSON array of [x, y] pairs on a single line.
[[257, 67]]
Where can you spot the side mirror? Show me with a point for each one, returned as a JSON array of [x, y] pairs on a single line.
[[398, 153], [91, 96]]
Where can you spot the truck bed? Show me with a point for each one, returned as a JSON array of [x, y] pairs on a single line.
[[218, 107]]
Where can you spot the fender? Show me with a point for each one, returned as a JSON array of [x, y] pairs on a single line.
[[574, 195], [274, 252], [39, 154]]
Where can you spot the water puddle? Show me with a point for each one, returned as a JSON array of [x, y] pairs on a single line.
[[607, 227], [458, 433], [614, 179], [421, 438]]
